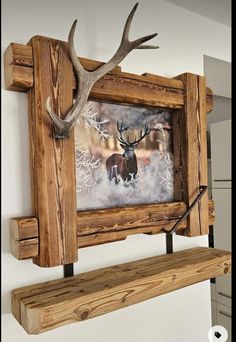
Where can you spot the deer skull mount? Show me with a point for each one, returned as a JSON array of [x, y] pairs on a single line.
[[86, 79]]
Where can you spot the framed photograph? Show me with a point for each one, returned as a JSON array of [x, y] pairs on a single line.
[[124, 156]]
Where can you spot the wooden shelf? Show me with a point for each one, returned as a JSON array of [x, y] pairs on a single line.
[[48, 305]]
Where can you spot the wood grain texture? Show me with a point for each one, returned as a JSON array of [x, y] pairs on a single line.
[[116, 86], [52, 161], [45, 306], [18, 69], [202, 153], [24, 230], [140, 216], [25, 249], [190, 151]]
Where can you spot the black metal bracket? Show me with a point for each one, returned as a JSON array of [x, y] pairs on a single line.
[[68, 270], [211, 244], [169, 237], [203, 189]]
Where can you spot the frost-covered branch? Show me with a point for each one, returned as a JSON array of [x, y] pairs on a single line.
[[91, 121], [85, 164], [167, 175], [159, 126]]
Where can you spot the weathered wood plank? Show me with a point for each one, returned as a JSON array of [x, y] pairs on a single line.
[[22, 55], [167, 82], [177, 152], [52, 160], [24, 230], [156, 90], [18, 78], [202, 153], [18, 71], [189, 134], [45, 306], [98, 221], [132, 89]]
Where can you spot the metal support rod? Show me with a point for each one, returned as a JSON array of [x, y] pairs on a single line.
[[68, 270], [203, 189], [211, 244], [169, 243], [169, 233]]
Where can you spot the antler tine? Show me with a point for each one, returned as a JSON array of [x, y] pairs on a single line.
[[125, 47], [125, 35], [142, 134], [139, 41], [147, 130], [147, 47], [121, 129], [74, 59], [61, 127], [142, 40], [53, 116], [119, 126]]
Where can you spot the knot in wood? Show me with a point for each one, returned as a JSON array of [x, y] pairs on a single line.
[[84, 315], [226, 269]]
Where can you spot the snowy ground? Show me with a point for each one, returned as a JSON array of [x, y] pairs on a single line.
[[153, 184]]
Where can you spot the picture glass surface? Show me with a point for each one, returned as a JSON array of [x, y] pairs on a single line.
[[123, 155]]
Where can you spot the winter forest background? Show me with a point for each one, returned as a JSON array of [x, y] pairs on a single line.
[[96, 139]]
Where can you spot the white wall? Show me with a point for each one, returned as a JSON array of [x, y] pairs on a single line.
[[218, 74], [184, 37], [221, 110]]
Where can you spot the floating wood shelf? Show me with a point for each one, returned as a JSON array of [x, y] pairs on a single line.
[[48, 305]]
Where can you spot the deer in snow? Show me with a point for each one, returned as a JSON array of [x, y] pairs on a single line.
[[125, 165]]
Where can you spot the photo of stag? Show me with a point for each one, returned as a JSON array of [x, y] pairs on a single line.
[[124, 165], [124, 156]]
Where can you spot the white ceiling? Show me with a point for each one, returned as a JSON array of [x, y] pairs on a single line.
[[217, 10]]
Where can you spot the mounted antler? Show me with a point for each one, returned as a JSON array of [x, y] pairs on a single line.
[[87, 79]]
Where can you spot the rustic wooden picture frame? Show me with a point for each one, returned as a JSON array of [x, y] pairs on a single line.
[[55, 231]]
